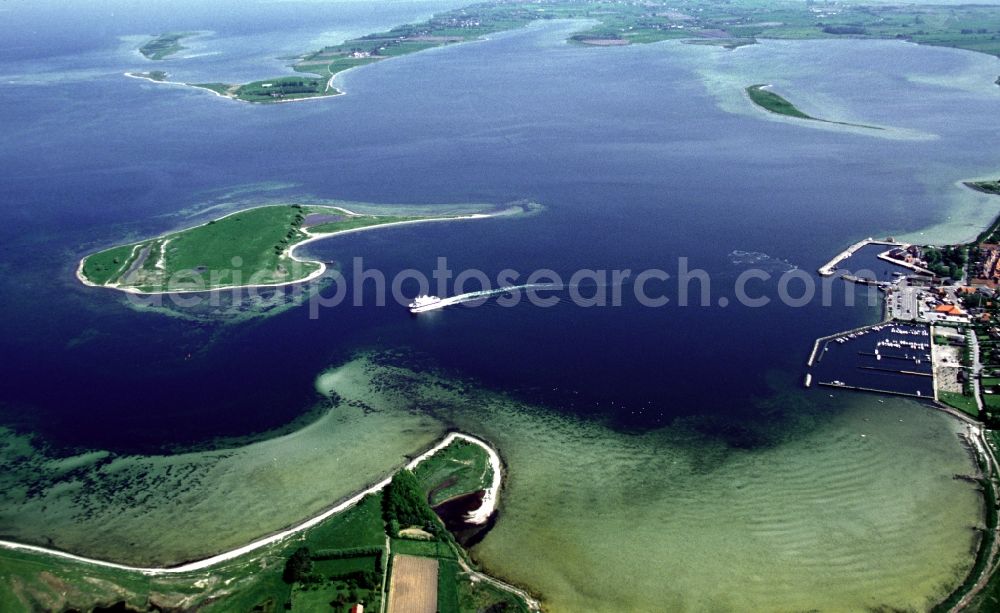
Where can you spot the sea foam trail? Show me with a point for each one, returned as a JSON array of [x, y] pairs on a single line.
[[486, 293]]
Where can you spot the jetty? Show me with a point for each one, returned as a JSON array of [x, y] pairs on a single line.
[[820, 342], [859, 388], [830, 267], [884, 256]]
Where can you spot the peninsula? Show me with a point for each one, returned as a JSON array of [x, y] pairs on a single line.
[[249, 248], [727, 25], [384, 548], [987, 187]]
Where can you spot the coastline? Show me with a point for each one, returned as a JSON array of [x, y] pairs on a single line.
[[488, 507], [962, 230], [979, 448], [134, 75], [975, 439], [289, 252], [969, 213], [983, 460], [142, 77]]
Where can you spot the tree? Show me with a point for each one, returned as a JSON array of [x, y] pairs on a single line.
[[298, 567], [404, 504]]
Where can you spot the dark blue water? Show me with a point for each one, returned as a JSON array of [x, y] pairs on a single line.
[[635, 163]]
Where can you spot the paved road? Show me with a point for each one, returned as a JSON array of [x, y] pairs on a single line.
[[977, 367], [904, 303]]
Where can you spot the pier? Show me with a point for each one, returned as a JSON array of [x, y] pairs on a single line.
[[872, 390], [866, 281], [830, 267], [884, 256], [821, 341]]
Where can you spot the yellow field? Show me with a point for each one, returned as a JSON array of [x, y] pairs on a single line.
[[413, 588]]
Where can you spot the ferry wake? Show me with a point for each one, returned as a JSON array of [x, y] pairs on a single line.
[[424, 302]]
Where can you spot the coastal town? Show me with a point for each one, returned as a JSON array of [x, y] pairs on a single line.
[[938, 342], [940, 338]]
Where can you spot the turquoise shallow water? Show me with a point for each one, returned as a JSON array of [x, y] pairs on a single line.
[[849, 505], [858, 509]]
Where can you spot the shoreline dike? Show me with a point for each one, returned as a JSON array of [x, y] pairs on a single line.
[[289, 251], [487, 508]]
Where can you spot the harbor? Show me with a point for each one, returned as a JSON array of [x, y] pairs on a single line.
[[890, 358], [832, 266], [869, 262], [937, 327]]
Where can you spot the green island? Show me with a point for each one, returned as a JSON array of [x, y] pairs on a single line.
[[164, 45], [988, 187], [355, 556], [252, 247], [153, 75], [728, 25], [778, 105], [773, 102]]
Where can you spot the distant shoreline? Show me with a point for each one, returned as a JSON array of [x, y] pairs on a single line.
[[477, 21]]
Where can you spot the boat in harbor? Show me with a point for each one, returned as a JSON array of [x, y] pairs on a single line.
[[424, 302]]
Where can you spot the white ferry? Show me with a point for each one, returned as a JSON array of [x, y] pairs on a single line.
[[425, 303]]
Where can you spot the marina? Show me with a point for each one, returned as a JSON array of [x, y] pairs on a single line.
[[890, 358]]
